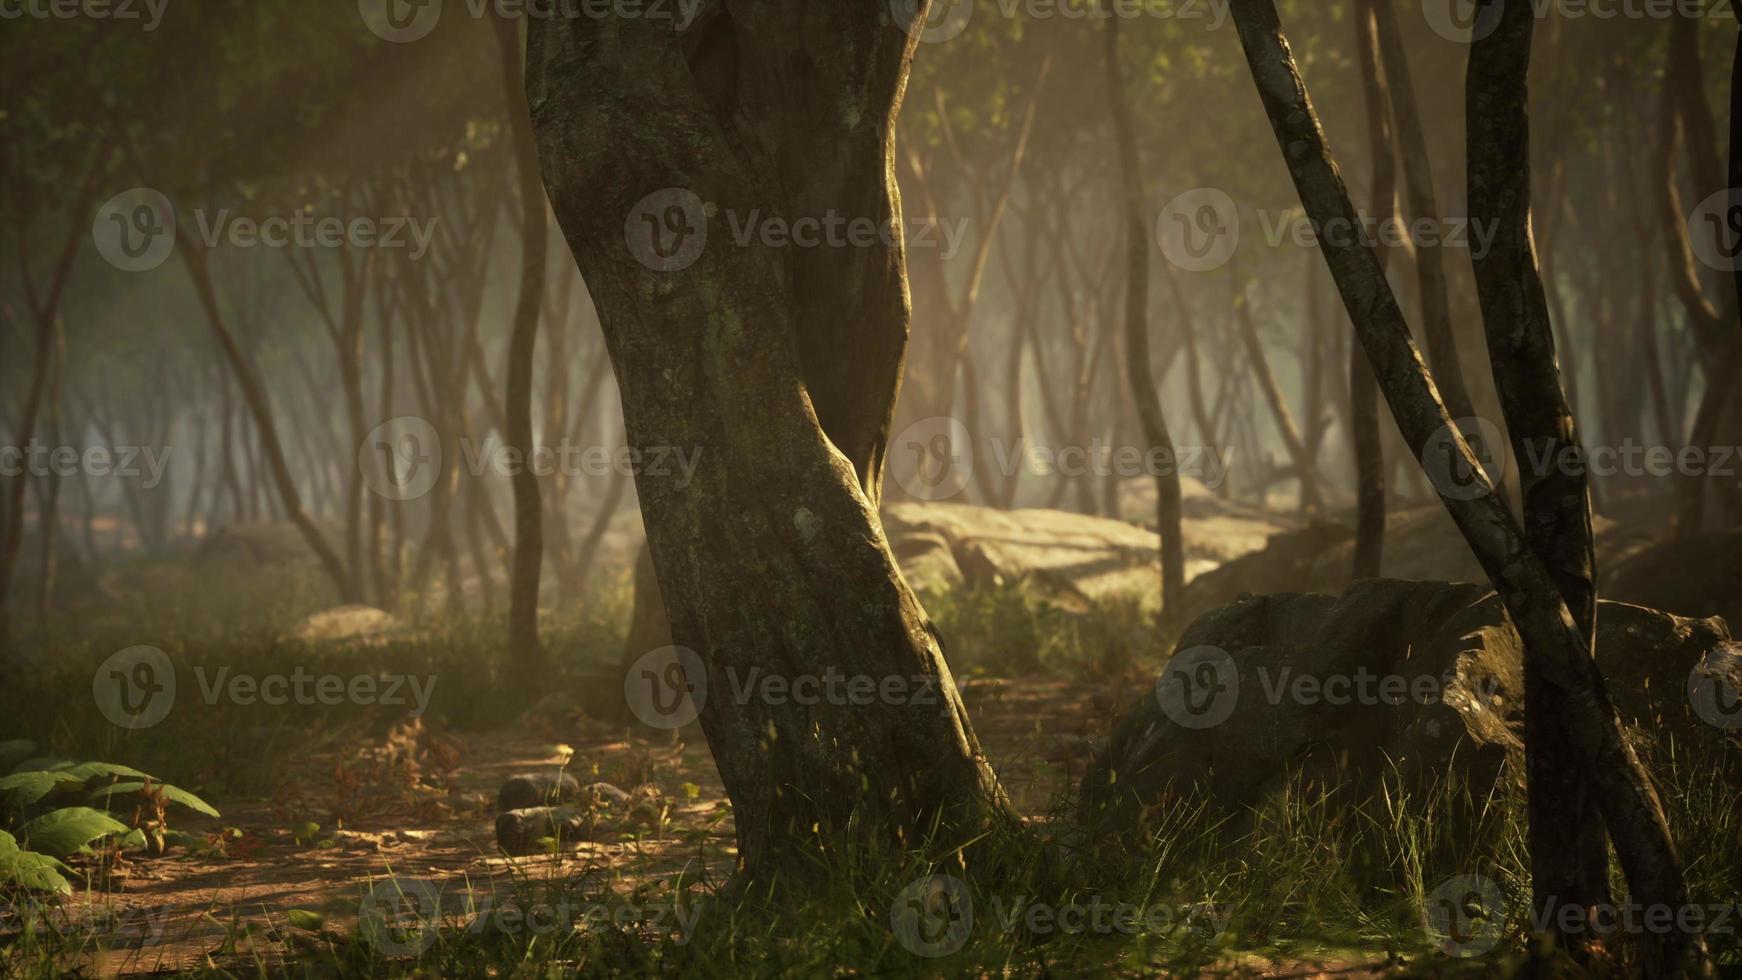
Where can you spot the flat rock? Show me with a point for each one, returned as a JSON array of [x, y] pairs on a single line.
[[346, 623], [1075, 560]]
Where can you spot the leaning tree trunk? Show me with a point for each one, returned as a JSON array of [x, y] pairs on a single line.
[[1364, 431], [1137, 367], [524, 658], [1299, 455], [1554, 644], [1568, 851], [254, 397], [781, 367], [1436, 306]]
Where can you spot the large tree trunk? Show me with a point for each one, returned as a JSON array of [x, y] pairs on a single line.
[[1555, 646], [524, 658], [781, 367], [1137, 368], [1569, 854]]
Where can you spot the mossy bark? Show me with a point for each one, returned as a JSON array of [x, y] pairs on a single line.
[[780, 366]]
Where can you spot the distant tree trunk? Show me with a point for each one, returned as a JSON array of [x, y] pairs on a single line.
[[1364, 428], [45, 311], [1301, 460], [1568, 851], [1137, 366], [1436, 307], [48, 517], [1553, 643], [254, 397], [524, 656], [781, 368]]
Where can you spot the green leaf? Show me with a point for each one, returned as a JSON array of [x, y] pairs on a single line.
[[174, 794], [86, 771], [14, 751], [304, 919], [37, 872], [21, 789], [103, 794], [62, 832], [42, 762]]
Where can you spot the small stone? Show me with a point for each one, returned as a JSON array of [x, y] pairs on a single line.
[[530, 830], [536, 789]]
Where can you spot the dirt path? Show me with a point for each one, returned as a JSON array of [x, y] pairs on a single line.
[[380, 817]]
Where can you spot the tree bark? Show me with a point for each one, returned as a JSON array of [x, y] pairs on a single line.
[[1365, 436], [1137, 367], [1436, 307], [781, 368], [1569, 853], [524, 656], [1292, 441], [1553, 641]]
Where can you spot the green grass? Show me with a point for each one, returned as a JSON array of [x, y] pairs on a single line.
[[1303, 878]]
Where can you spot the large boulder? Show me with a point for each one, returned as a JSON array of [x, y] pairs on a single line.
[[1418, 679], [1076, 560], [1421, 545], [1699, 575]]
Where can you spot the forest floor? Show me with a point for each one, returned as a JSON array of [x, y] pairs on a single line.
[[284, 883]]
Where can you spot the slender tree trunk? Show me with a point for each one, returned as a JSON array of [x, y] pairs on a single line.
[[48, 516], [254, 397], [1292, 442], [1137, 366], [1569, 853], [1553, 643], [46, 313], [781, 368], [1436, 306], [1365, 436], [524, 656]]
